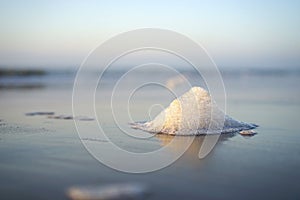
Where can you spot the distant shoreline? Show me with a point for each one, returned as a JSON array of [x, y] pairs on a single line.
[[22, 72], [28, 72]]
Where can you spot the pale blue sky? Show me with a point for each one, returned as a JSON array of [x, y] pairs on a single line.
[[236, 33]]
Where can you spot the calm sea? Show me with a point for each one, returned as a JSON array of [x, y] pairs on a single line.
[[41, 156]]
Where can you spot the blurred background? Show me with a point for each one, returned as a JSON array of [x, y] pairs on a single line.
[[255, 44], [54, 34]]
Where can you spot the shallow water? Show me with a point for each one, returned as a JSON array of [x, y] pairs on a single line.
[[42, 157]]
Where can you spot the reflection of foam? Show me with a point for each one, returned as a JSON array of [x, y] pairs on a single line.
[[194, 113], [179, 143]]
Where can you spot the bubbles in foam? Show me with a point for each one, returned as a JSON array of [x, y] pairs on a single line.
[[194, 113]]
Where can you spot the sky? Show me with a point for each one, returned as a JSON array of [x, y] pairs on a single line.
[[55, 33]]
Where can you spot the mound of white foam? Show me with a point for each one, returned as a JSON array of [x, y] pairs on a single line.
[[194, 113]]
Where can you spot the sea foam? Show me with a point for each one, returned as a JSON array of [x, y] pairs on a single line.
[[194, 113]]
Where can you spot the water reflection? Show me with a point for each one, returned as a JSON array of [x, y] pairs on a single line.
[[179, 143]]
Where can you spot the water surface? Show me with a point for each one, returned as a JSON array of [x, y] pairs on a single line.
[[42, 157]]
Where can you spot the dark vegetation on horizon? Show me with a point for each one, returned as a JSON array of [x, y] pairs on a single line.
[[22, 72]]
